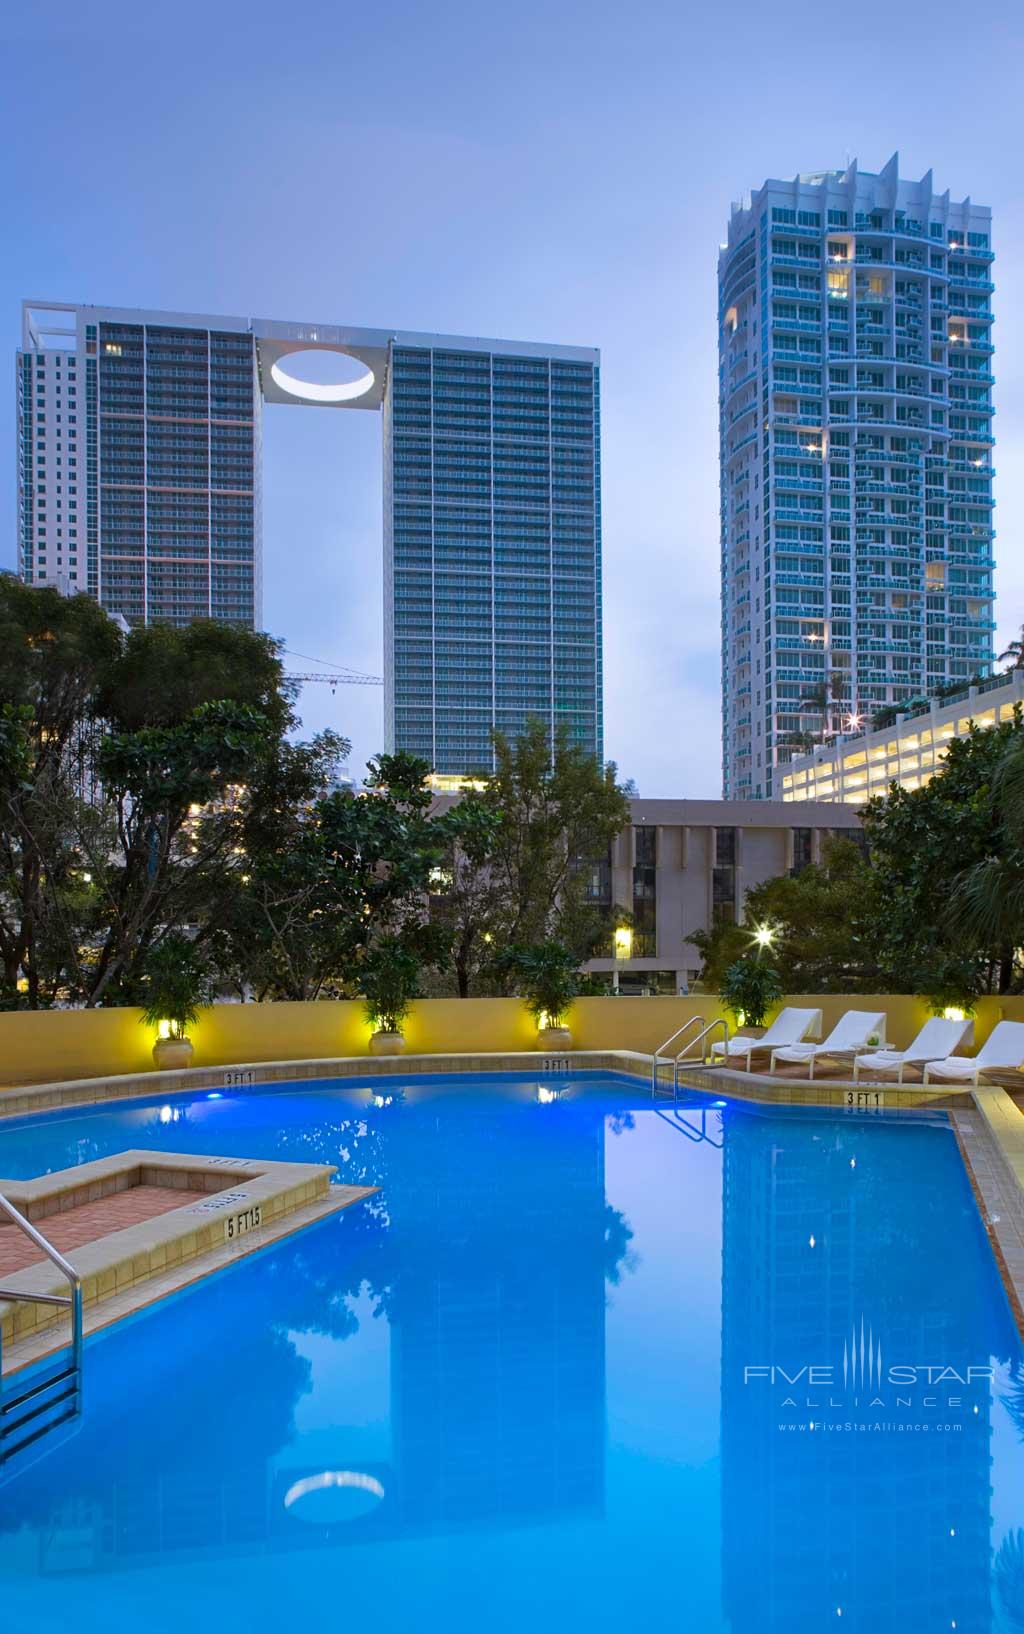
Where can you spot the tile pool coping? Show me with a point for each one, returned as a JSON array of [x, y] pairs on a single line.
[[22, 1100]]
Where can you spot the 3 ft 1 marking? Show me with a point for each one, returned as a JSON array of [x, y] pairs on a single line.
[[864, 1100]]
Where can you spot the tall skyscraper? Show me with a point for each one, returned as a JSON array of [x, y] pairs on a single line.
[[855, 410], [139, 481], [492, 546], [139, 461]]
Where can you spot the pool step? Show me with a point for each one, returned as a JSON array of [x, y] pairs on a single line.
[[27, 1415], [129, 1217]]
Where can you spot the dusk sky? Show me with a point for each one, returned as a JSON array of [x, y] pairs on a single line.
[[551, 172]]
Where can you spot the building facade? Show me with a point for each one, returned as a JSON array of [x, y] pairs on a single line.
[[855, 409], [908, 752], [140, 475], [492, 548], [139, 462], [683, 864]]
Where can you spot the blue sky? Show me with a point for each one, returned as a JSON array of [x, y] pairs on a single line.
[[554, 171]]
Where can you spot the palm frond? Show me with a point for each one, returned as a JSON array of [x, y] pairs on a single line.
[[987, 903]]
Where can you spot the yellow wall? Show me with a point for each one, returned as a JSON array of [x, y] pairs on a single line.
[[48, 1046]]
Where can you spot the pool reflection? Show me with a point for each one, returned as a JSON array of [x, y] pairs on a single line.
[[495, 1316], [879, 1515]]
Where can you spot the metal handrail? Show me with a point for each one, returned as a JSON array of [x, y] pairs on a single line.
[[73, 1300], [694, 1021], [701, 1036]]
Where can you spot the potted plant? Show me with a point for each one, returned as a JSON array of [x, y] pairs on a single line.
[[748, 990], [177, 988], [547, 976], [953, 993], [390, 981], [952, 989]]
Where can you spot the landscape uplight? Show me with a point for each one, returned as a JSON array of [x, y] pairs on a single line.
[[764, 935]]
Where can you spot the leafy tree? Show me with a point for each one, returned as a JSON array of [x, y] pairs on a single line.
[[819, 942], [164, 674], [155, 779], [108, 748], [321, 876], [886, 716], [54, 653], [516, 868], [267, 934], [465, 894], [948, 865], [986, 903]]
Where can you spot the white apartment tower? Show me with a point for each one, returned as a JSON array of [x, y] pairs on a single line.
[[855, 411]]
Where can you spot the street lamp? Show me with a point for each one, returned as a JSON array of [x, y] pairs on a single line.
[[764, 936]]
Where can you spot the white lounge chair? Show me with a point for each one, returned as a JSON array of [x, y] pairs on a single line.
[[936, 1041], [1002, 1050], [789, 1027], [847, 1038]]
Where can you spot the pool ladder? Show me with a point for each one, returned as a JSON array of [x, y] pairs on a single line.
[[28, 1413], [661, 1059]]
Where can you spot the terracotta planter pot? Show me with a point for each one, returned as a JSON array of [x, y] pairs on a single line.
[[554, 1038], [387, 1044], [169, 1053]]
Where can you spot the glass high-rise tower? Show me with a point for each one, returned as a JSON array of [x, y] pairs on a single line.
[[855, 405], [492, 547], [139, 481]]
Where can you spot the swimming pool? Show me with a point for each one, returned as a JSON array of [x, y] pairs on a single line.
[[555, 1375]]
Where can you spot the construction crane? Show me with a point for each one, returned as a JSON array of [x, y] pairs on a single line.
[[346, 678], [341, 676]]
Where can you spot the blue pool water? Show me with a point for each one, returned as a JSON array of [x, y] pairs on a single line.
[[528, 1385]]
